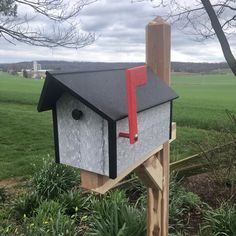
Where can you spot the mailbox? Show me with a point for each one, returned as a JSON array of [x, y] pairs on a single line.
[[106, 120]]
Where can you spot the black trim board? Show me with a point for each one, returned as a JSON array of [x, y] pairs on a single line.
[[171, 117], [55, 133], [91, 71], [44, 90], [112, 146]]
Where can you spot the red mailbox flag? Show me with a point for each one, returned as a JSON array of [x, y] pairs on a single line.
[[135, 77]]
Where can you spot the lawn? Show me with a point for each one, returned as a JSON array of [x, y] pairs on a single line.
[[26, 135], [203, 100]]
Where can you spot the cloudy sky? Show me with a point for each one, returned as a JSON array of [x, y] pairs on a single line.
[[120, 29]]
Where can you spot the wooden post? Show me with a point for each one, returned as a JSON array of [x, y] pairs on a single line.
[[158, 48], [158, 59], [154, 172]]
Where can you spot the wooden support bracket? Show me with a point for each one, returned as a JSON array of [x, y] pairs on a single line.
[[151, 173]]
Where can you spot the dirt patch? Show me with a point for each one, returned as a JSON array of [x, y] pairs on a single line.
[[210, 191], [192, 221], [14, 187], [12, 182]]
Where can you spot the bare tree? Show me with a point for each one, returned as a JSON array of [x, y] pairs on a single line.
[[45, 23], [206, 19]]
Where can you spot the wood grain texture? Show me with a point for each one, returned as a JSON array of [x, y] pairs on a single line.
[[158, 48], [151, 172], [164, 159], [158, 59], [153, 212], [90, 180]]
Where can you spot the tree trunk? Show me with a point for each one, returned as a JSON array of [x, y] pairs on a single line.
[[220, 35]]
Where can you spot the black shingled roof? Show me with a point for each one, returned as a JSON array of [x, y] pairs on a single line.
[[104, 91]]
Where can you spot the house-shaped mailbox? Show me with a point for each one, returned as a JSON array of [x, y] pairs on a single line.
[[106, 120]]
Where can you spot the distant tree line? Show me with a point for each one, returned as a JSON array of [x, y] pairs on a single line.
[[73, 66], [198, 67]]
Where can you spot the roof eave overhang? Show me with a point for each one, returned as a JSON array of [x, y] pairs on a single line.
[[43, 106]]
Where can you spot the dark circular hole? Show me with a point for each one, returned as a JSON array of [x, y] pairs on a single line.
[[77, 114]]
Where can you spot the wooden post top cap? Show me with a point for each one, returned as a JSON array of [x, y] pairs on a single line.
[[158, 21]]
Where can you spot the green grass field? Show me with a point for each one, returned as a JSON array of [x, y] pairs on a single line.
[[26, 135], [200, 109]]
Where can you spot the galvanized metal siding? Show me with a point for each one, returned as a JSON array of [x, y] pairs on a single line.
[[82, 143], [153, 126]]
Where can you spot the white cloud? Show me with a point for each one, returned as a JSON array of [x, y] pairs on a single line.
[[120, 26]]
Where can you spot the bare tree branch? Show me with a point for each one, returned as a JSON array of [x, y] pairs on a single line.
[[206, 19], [62, 29], [58, 10], [220, 35]]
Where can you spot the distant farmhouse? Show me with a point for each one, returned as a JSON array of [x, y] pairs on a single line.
[[36, 72]]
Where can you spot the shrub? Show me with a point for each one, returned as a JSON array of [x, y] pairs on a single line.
[[54, 179], [25, 74], [3, 194], [220, 221], [191, 200], [25, 205], [113, 216]]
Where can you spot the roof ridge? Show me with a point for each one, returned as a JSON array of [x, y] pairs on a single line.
[[87, 71]]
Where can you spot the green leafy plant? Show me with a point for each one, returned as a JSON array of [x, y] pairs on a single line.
[[25, 205], [220, 156], [191, 200], [136, 192], [54, 179], [9, 230], [113, 216], [220, 221], [48, 209], [176, 234], [3, 194], [176, 209], [50, 220], [74, 202], [181, 202]]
